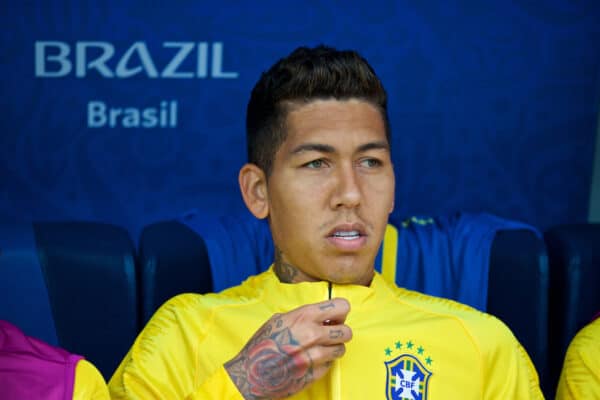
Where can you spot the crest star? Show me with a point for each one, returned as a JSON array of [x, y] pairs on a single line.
[[428, 360], [420, 350], [398, 345], [388, 351], [409, 344]]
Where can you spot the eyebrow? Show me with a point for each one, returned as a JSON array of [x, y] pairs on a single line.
[[321, 148], [325, 148], [380, 145]]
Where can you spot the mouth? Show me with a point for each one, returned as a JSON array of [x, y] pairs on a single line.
[[348, 231], [348, 237]]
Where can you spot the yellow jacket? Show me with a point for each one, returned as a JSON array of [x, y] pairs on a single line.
[[89, 384], [405, 345], [580, 376]]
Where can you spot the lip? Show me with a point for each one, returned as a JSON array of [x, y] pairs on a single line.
[[345, 244]]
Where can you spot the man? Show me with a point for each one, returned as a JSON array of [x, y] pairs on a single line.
[[321, 323]]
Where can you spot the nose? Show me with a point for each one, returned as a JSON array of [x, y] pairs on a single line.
[[347, 191]]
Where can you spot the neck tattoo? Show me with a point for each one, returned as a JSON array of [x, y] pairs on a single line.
[[285, 272]]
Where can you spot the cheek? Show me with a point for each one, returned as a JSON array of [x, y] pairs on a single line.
[[381, 192], [298, 197], [290, 215]]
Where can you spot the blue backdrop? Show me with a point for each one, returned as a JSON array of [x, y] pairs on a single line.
[[130, 112]]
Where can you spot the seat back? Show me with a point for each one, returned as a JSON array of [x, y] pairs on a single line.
[[24, 299], [87, 280], [574, 253], [173, 260], [518, 292]]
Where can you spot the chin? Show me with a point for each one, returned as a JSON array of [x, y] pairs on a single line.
[[352, 270], [351, 278]]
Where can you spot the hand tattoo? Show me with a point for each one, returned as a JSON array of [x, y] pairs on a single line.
[[335, 334], [327, 305], [272, 365]]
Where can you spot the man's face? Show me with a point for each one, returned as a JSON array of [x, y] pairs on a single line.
[[331, 190]]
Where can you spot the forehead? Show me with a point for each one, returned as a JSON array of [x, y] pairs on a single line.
[[337, 120]]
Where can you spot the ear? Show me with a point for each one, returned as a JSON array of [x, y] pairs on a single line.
[[253, 185]]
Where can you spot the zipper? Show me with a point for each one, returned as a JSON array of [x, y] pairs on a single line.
[[336, 380]]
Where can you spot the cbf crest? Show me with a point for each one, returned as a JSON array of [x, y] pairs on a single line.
[[407, 378]]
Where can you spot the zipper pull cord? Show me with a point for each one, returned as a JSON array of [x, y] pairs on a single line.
[[336, 381]]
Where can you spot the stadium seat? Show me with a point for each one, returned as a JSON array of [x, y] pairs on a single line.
[[173, 260], [71, 284], [518, 293]]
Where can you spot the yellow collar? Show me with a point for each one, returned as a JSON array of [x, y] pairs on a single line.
[[313, 292]]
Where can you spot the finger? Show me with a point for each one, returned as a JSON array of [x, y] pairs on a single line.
[[323, 357], [336, 334], [321, 370], [333, 311], [326, 354], [320, 335]]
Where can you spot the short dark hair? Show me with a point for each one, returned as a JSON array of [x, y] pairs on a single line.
[[306, 75]]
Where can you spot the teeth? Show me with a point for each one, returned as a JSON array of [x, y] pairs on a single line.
[[347, 235]]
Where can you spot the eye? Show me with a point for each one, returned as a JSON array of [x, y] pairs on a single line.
[[371, 163], [315, 164]]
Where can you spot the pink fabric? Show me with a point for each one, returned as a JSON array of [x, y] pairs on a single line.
[[32, 369]]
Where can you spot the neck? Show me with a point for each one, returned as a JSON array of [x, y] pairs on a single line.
[[286, 272], [289, 273]]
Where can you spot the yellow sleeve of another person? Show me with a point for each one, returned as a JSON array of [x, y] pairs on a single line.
[[580, 376]]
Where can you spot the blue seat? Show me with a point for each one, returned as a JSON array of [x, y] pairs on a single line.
[[71, 284], [574, 253], [173, 260], [518, 293]]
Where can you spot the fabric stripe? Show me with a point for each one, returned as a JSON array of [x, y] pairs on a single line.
[[390, 250]]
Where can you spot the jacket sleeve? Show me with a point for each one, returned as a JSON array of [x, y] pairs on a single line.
[[218, 386], [580, 375], [163, 361], [89, 383]]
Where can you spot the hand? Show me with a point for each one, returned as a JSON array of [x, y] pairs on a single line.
[[291, 350]]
